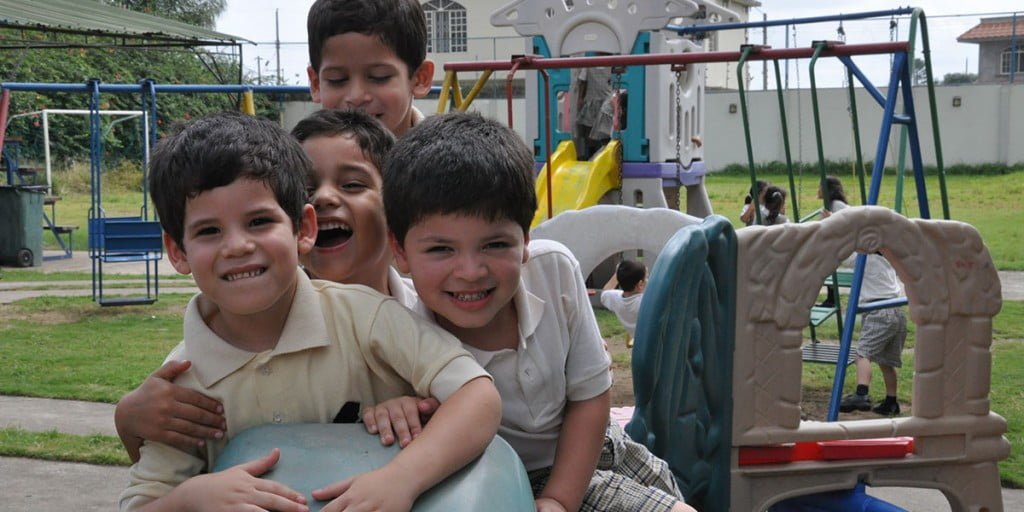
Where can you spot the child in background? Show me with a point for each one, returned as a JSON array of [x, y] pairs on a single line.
[[747, 215], [459, 198], [259, 324], [883, 332], [834, 199], [369, 56], [775, 203], [833, 196], [623, 293]]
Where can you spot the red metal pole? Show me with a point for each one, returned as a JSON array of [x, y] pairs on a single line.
[[547, 138], [676, 58]]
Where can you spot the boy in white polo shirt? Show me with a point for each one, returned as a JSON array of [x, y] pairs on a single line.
[[459, 198], [273, 346]]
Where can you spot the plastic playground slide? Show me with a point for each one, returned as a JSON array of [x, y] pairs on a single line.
[[576, 184]]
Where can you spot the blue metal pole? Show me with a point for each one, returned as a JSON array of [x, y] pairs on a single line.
[[898, 66], [868, 86], [160, 88], [96, 182], [915, 143]]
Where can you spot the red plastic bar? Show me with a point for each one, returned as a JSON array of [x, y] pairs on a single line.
[[534, 62], [854, 449]]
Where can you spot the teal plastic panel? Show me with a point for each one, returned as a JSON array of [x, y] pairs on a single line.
[[315, 455]]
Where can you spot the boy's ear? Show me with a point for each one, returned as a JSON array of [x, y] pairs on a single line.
[[422, 79], [314, 83], [526, 248], [176, 255], [396, 248], [307, 229]]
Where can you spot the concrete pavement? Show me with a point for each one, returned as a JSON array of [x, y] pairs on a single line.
[[45, 485]]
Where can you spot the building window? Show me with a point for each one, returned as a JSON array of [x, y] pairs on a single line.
[[446, 26], [1005, 60]]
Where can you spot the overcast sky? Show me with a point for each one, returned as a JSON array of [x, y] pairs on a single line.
[[947, 19]]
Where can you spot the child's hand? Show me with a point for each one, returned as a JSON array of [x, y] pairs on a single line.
[[401, 417], [239, 488], [161, 411], [372, 491], [548, 505]]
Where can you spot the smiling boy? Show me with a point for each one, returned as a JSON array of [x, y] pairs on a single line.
[[459, 199], [273, 346]]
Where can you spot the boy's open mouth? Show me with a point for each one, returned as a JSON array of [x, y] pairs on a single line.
[[333, 233], [244, 275]]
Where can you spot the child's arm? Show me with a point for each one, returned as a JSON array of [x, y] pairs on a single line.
[[161, 411], [236, 488], [402, 418], [579, 446], [459, 431]]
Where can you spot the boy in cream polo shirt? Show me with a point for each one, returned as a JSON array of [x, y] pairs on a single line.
[[275, 347]]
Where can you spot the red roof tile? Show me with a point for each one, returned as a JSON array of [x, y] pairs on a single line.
[[993, 30]]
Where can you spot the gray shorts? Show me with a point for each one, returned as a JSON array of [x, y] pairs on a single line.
[[882, 335]]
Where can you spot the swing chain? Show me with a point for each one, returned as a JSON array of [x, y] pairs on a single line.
[[679, 121]]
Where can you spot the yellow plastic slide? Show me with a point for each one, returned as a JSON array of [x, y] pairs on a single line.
[[576, 184]]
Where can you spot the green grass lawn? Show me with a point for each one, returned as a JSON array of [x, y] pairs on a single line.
[[989, 202]]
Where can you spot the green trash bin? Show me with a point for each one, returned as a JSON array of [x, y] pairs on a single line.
[[21, 226]]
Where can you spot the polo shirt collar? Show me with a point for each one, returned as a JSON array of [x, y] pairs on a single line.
[[213, 358], [530, 309]]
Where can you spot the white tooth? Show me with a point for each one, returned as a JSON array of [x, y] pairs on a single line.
[[243, 275], [466, 297], [333, 225]]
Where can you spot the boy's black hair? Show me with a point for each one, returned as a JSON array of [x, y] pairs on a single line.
[[629, 273], [373, 138], [399, 24], [459, 163], [215, 151]]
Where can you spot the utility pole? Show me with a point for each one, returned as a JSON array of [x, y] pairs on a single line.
[[764, 63], [277, 43]]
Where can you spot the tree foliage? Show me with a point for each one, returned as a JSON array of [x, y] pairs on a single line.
[[959, 78], [69, 135]]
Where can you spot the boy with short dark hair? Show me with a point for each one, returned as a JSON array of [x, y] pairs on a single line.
[[347, 149], [623, 293], [273, 346], [459, 198], [370, 56]]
